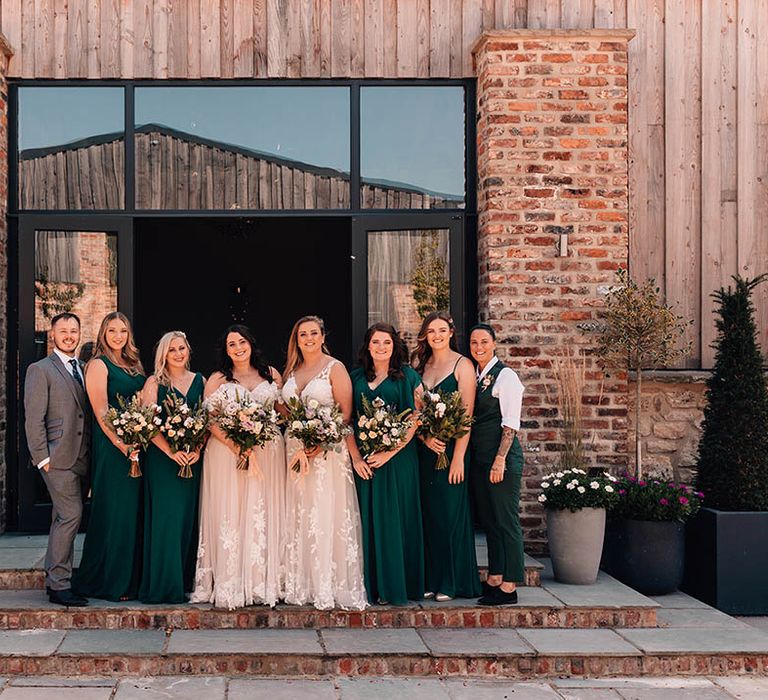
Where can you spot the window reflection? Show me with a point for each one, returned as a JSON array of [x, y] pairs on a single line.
[[412, 147], [71, 148], [74, 271], [242, 148], [407, 277]]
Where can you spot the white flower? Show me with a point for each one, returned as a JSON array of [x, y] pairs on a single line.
[[545, 484], [363, 436], [297, 425], [594, 485], [557, 482], [542, 498], [570, 485], [581, 489], [609, 489], [579, 471], [559, 475], [440, 410], [120, 431]]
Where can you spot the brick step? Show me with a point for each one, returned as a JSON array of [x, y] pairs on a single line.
[[299, 653]]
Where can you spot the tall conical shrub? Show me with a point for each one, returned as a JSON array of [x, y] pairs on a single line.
[[733, 450]]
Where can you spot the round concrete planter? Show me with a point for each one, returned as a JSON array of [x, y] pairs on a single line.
[[576, 543]]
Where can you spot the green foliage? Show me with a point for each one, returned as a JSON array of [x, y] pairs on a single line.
[[574, 489], [431, 289], [733, 450], [655, 499]]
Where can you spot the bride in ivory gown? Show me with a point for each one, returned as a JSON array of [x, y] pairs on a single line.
[[322, 553], [241, 511]]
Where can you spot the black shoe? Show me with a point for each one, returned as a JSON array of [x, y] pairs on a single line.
[[68, 598], [488, 589], [499, 597]]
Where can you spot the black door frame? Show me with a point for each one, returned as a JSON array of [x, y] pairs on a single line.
[[24, 512]]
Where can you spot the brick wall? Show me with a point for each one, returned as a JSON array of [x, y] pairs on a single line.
[[5, 52], [552, 159]]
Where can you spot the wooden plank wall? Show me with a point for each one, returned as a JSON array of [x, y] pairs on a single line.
[[698, 94]]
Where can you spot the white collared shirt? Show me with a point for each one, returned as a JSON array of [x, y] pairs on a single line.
[[508, 389]]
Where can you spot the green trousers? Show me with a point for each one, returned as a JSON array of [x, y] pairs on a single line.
[[498, 512]]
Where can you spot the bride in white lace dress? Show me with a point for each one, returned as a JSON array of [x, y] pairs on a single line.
[[241, 511], [322, 556]]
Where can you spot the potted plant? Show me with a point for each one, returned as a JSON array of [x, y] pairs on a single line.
[[727, 543], [645, 547], [576, 503]]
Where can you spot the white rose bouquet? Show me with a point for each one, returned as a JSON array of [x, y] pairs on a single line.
[[184, 427], [314, 426], [381, 427], [135, 424], [444, 417], [246, 422]]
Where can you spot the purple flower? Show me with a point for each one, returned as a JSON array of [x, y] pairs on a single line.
[[683, 500], [622, 492], [700, 494], [664, 501]]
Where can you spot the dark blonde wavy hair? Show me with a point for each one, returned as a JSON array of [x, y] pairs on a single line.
[[294, 357], [423, 352], [129, 355]]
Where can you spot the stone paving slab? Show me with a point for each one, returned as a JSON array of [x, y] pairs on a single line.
[[675, 694], [629, 683], [30, 642], [35, 693], [64, 681], [476, 643], [686, 641], [744, 688], [606, 593], [113, 642], [373, 641], [678, 599], [257, 641], [590, 694], [466, 689], [26, 600], [173, 687], [702, 618], [21, 558], [575, 642], [282, 689], [388, 688]]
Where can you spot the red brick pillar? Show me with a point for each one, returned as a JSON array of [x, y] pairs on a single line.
[[5, 54], [552, 165]]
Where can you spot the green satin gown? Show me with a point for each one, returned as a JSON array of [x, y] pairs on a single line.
[[111, 564], [170, 518], [449, 539], [390, 508]]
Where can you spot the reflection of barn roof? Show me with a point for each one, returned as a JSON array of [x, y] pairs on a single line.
[[108, 142]]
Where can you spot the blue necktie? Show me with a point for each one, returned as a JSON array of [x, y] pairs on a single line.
[[76, 372]]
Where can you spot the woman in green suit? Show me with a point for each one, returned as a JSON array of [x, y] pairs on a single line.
[[170, 502], [111, 563], [496, 466], [388, 490]]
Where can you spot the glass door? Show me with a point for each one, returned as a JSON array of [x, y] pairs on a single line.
[[76, 264], [405, 267]]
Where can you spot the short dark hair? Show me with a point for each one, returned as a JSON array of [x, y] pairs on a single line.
[[63, 316], [483, 327]]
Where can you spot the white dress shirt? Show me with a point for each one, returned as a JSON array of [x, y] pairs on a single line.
[[508, 389]]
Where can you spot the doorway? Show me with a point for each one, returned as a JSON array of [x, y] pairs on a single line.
[[201, 275]]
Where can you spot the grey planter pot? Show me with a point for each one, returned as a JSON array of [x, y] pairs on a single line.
[[576, 543]]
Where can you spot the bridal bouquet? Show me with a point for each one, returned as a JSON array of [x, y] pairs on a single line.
[[444, 417], [246, 422], [381, 427], [314, 426], [184, 428], [135, 424]]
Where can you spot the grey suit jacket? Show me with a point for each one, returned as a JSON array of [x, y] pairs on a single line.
[[57, 414]]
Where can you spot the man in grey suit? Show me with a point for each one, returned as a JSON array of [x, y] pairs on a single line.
[[57, 423]]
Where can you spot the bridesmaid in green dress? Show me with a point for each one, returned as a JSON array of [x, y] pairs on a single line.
[[170, 501], [111, 562], [388, 493], [449, 540]]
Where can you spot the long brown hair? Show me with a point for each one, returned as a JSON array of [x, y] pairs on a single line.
[[294, 356], [398, 358], [423, 351], [129, 355]]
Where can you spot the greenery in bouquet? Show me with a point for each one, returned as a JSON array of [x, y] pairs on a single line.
[[246, 422], [185, 428], [654, 499], [381, 427], [135, 424], [444, 416], [315, 426], [574, 489]]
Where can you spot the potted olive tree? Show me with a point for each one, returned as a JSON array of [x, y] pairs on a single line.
[[727, 555]]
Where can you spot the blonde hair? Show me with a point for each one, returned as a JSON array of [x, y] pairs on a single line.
[[294, 357], [161, 356], [129, 355]]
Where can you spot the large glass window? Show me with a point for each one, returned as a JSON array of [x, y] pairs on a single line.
[[71, 148], [242, 148], [412, 147]]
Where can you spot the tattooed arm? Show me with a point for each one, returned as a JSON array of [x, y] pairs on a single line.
[[500, 462]]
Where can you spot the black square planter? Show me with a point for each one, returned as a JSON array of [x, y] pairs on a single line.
[[726, 560]]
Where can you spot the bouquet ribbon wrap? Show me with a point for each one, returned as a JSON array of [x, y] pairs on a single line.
[[254, 470], [301, 460]]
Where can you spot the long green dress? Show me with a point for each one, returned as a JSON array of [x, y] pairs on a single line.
[[390, 508], [449, 539], [111, 563], [170, 518]]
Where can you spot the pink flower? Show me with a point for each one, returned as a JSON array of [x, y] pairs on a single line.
[[683, 500], [622, 492], [641, 483], [664, 501]]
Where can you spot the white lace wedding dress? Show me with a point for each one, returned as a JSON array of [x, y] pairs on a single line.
[[322, 556], [241, 520]]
